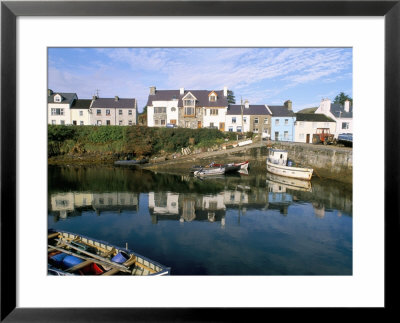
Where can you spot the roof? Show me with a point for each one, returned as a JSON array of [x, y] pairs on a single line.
[[65, 97], [308, 110], [315, 117], [338, 111], [281, 111], [251, 110], [81, 104], [112, 103], [201, 96]]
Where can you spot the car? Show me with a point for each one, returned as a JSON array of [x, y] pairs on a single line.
[[171, 125]]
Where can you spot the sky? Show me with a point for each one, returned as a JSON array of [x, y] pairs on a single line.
[[261, 75]]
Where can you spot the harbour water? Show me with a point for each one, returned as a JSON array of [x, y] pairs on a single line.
[[244, 224]]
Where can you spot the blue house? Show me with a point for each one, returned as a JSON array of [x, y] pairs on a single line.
[[282, 122]]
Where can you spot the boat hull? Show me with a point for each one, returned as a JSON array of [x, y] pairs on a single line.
[[209, 172], [288, 171]]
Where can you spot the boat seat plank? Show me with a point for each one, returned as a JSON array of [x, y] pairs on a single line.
[[111, 272], [79, 266]]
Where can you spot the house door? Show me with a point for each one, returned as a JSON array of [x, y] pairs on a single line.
[[198, 124], [222, 126], [276, 135], [308, 138]]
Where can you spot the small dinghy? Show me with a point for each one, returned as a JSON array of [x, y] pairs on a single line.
[[73, 254], [209, 172]]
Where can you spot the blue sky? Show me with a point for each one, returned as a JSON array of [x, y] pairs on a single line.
[[261, 75]]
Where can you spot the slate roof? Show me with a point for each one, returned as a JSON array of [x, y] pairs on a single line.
[[314, 117], [251, 110], [65, 97], [201, 96], [81, 104], [338, 111], [281, 111], [111, 103]]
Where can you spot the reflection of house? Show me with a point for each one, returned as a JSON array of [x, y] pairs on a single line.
[[164, 202], [64, 204], [319, 209], [115, 201], [278, 197]]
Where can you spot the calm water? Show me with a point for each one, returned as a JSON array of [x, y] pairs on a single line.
[[252, 224]]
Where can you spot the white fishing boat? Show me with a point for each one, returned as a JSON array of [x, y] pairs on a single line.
[[277, 163], [209, 172]]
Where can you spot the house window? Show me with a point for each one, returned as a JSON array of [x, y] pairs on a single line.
[[120, 122], [213, 112], [62, 122], [129, 112], [189, 111], [57, 112], [53, 121], [238, 129], [286, 135], [99, 122], [213, 98], [130, 122], [244, 119], [163, 122], [286, 121], [108, 122], [160, 110], [98, 112], [255, 130], [81, 123], [189, 103], [57, 98], [256, 120], [301, 136], [156, 122], [81, 113], [74, 122], [233, 119], [230, 129], [108, 112], [120, 112], [345, 125], [173, 109], [276, 122], [211, 124], [266, 121]]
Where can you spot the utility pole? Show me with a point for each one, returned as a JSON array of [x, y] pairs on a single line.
[[241, 109]]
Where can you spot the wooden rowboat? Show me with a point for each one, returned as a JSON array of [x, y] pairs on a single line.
[[73, 254]]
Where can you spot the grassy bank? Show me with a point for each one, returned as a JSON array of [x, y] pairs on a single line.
[[107, 143]]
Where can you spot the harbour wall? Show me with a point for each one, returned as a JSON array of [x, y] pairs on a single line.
[[331, 162]]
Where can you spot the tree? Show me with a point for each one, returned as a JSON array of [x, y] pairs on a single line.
[[142, 117], [231, 97], [341, 97]]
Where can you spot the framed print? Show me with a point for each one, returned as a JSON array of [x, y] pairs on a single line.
[[40, 38]]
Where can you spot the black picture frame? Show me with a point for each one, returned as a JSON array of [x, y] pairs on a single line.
[[10, 10]]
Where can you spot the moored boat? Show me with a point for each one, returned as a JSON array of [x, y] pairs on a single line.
[[244, 165], [210, 171], [278, 163], [131, 162], [73, 254]]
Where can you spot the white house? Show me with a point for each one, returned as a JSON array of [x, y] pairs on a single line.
[[59, 107], [342, 114], [306, 126], [187, 108], [80, 112]]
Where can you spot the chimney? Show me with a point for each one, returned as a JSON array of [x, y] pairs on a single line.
[[94, 97], [347, 106], [116, 98], [49, 92], [246, 104], [181, 91], [152, 90], [288, 105], [325, 105], [225, 91]]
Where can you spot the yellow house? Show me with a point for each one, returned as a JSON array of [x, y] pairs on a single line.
[[80, 112]]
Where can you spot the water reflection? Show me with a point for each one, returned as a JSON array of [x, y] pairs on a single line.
[[204, 227]]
